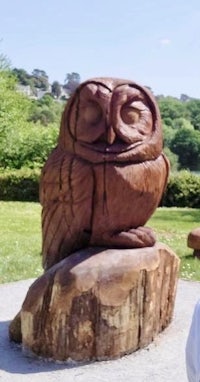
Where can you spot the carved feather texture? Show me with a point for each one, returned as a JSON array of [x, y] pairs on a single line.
[[107, 175]]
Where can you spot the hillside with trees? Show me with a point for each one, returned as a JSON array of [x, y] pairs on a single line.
[[29, 122], [30, 113], [181, 130]]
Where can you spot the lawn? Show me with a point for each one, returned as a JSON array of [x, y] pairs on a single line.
[[20, 239], [172, 226]]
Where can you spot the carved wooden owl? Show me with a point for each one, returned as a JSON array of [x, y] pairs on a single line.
[[107, 174]]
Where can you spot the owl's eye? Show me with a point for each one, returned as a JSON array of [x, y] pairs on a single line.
[[92, 113], [130, 115]]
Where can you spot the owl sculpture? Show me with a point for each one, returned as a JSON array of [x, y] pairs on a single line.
[[107, 174]]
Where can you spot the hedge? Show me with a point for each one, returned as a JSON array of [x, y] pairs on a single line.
[[20, 185], [183, 189]]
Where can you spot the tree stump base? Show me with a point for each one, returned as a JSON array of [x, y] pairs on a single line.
[[100, 303]]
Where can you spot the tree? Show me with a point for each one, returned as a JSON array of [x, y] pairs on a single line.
[[186, 144], [193, 107], [40, 79], [45, 110], [171, 109], [38, 73], [24, 143], [184, 98], [44, 115], [181, 122], [72, 81], [56, 89], [4, 62], [22, 76], [14, 107], [168, 135], [173, 159], [14, 110]]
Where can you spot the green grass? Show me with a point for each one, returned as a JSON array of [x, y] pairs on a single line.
[[20, 239], [172, 226]]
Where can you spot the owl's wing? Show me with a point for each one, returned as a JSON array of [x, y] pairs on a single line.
[[66, 195]]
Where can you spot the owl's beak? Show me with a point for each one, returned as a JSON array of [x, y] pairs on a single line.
[[110, 135]]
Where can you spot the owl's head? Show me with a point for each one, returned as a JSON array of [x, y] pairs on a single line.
[[111, 120]]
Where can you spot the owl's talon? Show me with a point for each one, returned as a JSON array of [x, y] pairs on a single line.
[[134, 238]]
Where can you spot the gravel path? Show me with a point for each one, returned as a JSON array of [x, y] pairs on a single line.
[[163, 360]]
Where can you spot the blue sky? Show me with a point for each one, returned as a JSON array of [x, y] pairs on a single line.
[[153, 42]]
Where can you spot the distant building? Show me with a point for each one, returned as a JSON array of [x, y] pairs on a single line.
[[37, 93], [64, 93], [25, 89]]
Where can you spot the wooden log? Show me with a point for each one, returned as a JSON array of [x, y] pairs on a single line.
[[88, 308]]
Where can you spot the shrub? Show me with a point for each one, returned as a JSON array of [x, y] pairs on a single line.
[[20, 185], [23, 185], [183, 190], [27, 146]]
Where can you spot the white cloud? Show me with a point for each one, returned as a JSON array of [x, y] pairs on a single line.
[[165, 41]]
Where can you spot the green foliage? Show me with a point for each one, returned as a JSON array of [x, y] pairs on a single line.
[[23, 143], [182, 123], [4, 62], [186, 144], [173, 158], [20, 185], [71, 82], [171, 109], [183, 190], [23, 184], [43, 115], [23, 77], [168, 135], [46, 110], [14, 107], [14, 110], [172, 226], [29, 148], [40, 79], [56, 89], [22, 121], [193, 106]]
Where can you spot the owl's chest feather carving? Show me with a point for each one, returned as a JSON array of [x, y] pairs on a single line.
[[127, 195]]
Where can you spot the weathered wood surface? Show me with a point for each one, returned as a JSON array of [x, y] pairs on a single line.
[[193, 241], [107, 174], [89, 308]]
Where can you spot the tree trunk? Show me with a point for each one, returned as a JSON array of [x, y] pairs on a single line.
[[100, 303]]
